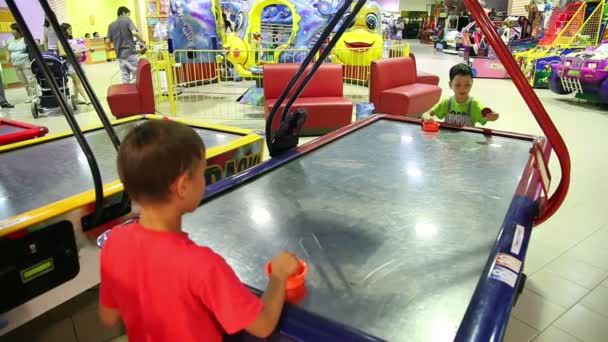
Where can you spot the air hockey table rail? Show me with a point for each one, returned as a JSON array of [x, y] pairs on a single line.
[[12, 131], [49, 194], [40, 190], [409, 236]]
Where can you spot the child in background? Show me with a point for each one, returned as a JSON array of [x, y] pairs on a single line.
[[462, 109], [153, 277], [79, 51]]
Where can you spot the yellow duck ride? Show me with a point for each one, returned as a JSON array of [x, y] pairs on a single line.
[[361, 43]]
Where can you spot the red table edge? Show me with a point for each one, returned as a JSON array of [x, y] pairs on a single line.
[[553, 203], [29, 131]]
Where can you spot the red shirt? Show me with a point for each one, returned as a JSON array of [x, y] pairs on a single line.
[[167, 288]]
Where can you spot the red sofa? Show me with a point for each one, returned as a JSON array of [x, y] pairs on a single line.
[[133, 98], [424, 77], [395, 88], [323, 97]]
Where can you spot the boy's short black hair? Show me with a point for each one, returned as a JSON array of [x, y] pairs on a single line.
[[122, 10], [461, 69], [154, 154], [15, 28]]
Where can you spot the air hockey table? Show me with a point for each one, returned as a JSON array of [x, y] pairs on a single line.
[[46, 196], [12, 131], [409, 235]]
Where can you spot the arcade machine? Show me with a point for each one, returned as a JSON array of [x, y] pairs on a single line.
[[578, 26], [382, 264], [440, 27], [52, 210], [428, 25]]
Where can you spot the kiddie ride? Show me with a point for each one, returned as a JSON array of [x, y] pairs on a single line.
[[278, 31], [282, 32], [480, 55], [578, 26], [584, 73], [361, 44], [271, 28]]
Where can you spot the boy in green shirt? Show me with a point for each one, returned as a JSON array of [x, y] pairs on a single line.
[[462, 109]]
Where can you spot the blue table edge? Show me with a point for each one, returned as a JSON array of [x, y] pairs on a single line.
[[488, 311]]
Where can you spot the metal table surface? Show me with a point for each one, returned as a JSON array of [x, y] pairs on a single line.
[[41, 174], [396, 225]]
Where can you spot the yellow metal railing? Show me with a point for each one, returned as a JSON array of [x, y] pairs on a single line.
[[163, 78]]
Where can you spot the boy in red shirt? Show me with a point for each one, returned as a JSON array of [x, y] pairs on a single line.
[[153, 277]]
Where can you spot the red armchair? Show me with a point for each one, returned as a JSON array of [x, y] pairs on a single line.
[[424, 77], [396, 89], [133, 98], [323, 97]]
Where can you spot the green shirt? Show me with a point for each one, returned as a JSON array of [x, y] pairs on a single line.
[[466, 114]]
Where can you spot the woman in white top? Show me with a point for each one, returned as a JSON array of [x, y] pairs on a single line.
[[50, 37], [20, 59]]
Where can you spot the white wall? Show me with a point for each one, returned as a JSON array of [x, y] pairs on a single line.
[[414, 5]]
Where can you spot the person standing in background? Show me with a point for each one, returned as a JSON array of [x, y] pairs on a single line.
[[3, 102], [50, 38], [66, 29], [121, 32], [19, 57]]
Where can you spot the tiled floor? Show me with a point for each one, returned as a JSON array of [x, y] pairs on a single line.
[[566, 296]]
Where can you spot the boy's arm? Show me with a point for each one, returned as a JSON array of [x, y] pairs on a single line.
[[232, 303], [108, 312], [109, 317], [273, 299], [440, 110], [234, 306], [283, 265], [482, 114]]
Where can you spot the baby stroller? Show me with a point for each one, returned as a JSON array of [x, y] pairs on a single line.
[[46, 100]]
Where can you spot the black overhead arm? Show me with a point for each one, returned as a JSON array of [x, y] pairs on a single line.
[[324, 35]]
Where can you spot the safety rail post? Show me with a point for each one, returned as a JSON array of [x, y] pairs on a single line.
[[349, 18], [67, 111], [107, 125], [556, 141], [324, 35]]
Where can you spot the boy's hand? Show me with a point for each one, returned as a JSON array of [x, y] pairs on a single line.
[[427, 117], [489, 114], [284, 265], [492, 116]]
